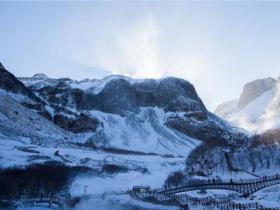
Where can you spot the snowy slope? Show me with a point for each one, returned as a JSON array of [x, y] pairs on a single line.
[[21, 123], [148, 127], [143, 132], [227, 109], [163, 116], [258, 114], [121, 114]]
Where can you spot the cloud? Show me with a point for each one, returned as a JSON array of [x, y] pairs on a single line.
[[139, 50], [143, 47], [146, 46], [215, 47], [132, 49]]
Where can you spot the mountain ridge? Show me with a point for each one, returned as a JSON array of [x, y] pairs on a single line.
[[131, 114], [256, 108]]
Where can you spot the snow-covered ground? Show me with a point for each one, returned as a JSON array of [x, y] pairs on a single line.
[[144, 131], [123, 202], [29, 138], [157, 168], [268, 197]]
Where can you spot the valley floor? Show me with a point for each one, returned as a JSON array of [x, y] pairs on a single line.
[[138, 170], [102, 185]]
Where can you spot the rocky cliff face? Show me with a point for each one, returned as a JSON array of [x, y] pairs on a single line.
[[257, 108], [124, 113], [120, 95], [10, 83], [254, 89], [164, 116]]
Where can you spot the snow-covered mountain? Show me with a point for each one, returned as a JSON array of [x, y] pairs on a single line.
[[257, 108], [164, 116], [23, 116], [126, 131]]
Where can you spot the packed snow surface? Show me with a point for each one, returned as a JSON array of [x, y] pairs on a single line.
[[157, 168], [143, 132]]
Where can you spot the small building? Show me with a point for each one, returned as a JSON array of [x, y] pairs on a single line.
[[141, 189]]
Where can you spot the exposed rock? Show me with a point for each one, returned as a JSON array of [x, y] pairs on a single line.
[[257, 110], [165, 113], [120, 96], [208, 128], [10, 83], [254, 89], [82, 124]]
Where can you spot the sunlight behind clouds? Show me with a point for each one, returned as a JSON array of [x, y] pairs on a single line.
[[139, 50], [217, 46]]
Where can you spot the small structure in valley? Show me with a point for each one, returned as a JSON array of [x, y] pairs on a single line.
[[141, 189]]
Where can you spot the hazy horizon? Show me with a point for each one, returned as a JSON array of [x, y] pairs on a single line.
[[217, 46]]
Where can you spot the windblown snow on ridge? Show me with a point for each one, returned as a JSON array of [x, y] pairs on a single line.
[[261, 110]]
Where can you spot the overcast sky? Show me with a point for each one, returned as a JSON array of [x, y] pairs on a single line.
[[218, 46]]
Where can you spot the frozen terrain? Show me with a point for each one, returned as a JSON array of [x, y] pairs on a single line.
[[128, 132], [140, 169], [143, 132], [257, 109]]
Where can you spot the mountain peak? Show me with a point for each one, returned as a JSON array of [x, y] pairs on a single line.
[[257, 108], [40, 76], [254, 89], [1, 66], [10, 83]]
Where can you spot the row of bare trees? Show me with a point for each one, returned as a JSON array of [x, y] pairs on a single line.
[[36, 180]]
